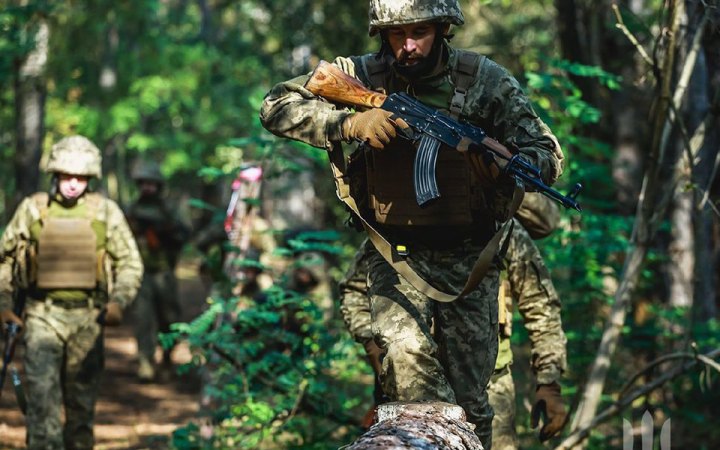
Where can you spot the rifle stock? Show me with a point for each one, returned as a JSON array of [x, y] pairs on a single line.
[[331, 83]]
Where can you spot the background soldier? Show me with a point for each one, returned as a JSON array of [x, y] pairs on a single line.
[[529, 281], [72, 254], [444, 239], [160, 236]]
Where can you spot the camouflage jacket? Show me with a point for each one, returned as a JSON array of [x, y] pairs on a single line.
[[532, 290], [120, 248], [495, 101]]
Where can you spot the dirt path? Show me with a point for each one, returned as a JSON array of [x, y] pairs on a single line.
[[129, 415]]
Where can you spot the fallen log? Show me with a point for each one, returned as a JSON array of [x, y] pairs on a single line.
[[422, 426]]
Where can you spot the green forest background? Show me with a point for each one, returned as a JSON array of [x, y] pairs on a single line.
[[630, 88]]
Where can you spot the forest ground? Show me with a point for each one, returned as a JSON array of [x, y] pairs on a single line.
[[129, 414]]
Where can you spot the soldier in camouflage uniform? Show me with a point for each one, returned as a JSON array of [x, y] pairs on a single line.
[[527, 280], [72, 255], [445, 238], [160, 236]]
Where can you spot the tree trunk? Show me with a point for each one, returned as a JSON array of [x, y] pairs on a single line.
[[628, 116], [654, 198], [682, 246], [705, 306], [585, 38], [418, 426], [681, 250], [574, 36], [114, 164], [30, 111], [108, 72], [207, 28]]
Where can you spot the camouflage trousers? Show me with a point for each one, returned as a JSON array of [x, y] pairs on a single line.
[[354, 301], [501, 392], [156, 307], [63, 362], [452, 362]]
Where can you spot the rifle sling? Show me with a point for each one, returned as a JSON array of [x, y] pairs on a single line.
[[479, 270]]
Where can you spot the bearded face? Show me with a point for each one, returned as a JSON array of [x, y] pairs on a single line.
[[416, 47]]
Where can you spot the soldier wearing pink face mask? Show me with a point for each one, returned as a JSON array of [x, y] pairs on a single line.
[[72, 256]]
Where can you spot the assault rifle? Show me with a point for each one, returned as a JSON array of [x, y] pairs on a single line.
[[12, 335], [431, 128]]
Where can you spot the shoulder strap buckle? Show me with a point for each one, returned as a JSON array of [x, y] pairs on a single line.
[[464, 72]]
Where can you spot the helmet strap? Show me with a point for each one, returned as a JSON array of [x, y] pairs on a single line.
[[54, 180]]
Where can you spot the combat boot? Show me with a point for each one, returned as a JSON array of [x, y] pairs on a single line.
[[166, 369], [146, 370]]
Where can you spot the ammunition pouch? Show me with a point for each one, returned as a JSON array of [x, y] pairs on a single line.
[[391, 193], [338, 164]]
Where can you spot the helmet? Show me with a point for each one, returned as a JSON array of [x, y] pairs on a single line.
[[313, 263], [148, 170], [385, 13], [75, 155]]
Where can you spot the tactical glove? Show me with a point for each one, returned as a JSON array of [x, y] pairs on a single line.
[[7, 315], [112, 315], [374, 126], [346, 65], [550, 404], [374, 354]]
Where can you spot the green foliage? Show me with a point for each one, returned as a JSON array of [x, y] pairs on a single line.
[[273, 379], [560, 104], [605, 78], [276, 374], [515, 33]]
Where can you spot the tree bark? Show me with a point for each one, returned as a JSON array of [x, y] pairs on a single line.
[[418, 426], [30, 110], [681, 265]]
